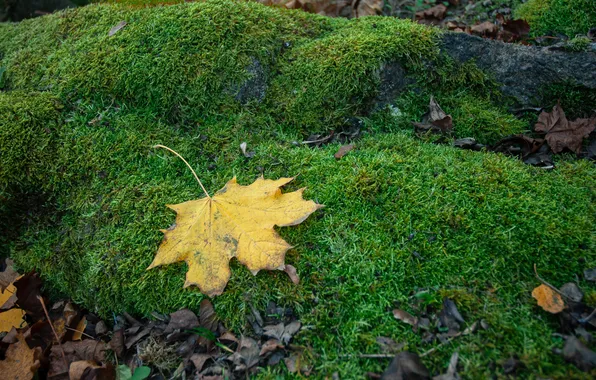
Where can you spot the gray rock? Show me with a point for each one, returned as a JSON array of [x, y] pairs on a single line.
[[255, 87], [392, 82], [522, 71]]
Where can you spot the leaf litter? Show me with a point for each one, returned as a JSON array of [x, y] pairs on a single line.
[[75, 344]]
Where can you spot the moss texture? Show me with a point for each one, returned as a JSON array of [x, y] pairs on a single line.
[[569, 17], [477, 221]]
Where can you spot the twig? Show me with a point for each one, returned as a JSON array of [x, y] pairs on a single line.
[[319, 140], [588, 318], [43, 305], [79, 331], [187, 164], [370, 356], [550, 286]]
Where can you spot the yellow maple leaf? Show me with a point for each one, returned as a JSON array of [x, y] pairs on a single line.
[[236, 222]]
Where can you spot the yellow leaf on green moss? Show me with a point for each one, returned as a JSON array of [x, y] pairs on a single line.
[[236, 222], [548, 299]]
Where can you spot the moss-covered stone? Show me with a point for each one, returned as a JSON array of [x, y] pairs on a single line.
[[569, 17], [400, 214]]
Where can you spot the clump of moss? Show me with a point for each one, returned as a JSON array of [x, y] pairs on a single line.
[[29, 125], [569, 17]]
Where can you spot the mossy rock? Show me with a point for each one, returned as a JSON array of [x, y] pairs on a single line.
[[401, 214]]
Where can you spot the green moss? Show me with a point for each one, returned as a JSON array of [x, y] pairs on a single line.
[[478, 220], [569, 17], [28, 129]]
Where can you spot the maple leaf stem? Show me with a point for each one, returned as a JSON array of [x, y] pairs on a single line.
[[187, 164]]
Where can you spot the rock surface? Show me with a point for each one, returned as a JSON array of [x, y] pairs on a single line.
[[523, 71]]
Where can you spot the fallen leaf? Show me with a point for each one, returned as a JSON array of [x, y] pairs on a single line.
[[183, 319], [435, 120], [389, 346], [207, 317], [548, 299], [269, 346], [237, 222], [517, 28], [117, 342], [468, 143], [244, 152], [199, 360], [20, 362], [8, 275], [406, 365], [291, 271], [10, 319], [432, 15], [117, 28], [8, 297], [406, 317], [485, 29], [343, 150], [78, 334], [75, 351], [449, 317], [577, 353], [247, 355], [28, 291], [367, 7], [562, 134], [90, 370]]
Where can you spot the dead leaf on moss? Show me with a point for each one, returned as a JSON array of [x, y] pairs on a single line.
[[406, 317], [117, 28], [291, 271], [406, 365], [343, 150], [431, 16], [367, 7], [20, 362], [237, 222], [548, 299], [435, 120], [562, 134]]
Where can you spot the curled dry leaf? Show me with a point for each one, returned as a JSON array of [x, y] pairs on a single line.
[[406, 317], [291, 271], [78, 334], [561, 133], [435, 120], [406, 365], [237, 222], [548, 299]]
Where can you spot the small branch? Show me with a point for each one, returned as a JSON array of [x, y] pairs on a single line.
[[550, 286], [43, 305], [187, 164], [370, 356], [588, 318], [79, 331]]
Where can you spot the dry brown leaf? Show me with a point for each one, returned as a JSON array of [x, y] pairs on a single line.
[[432, 15], [21, 362], [367, 7], [343, 150], [8, 276], [548, 299], [485, 29], [562, 134], [435, 120], [236, 222]]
